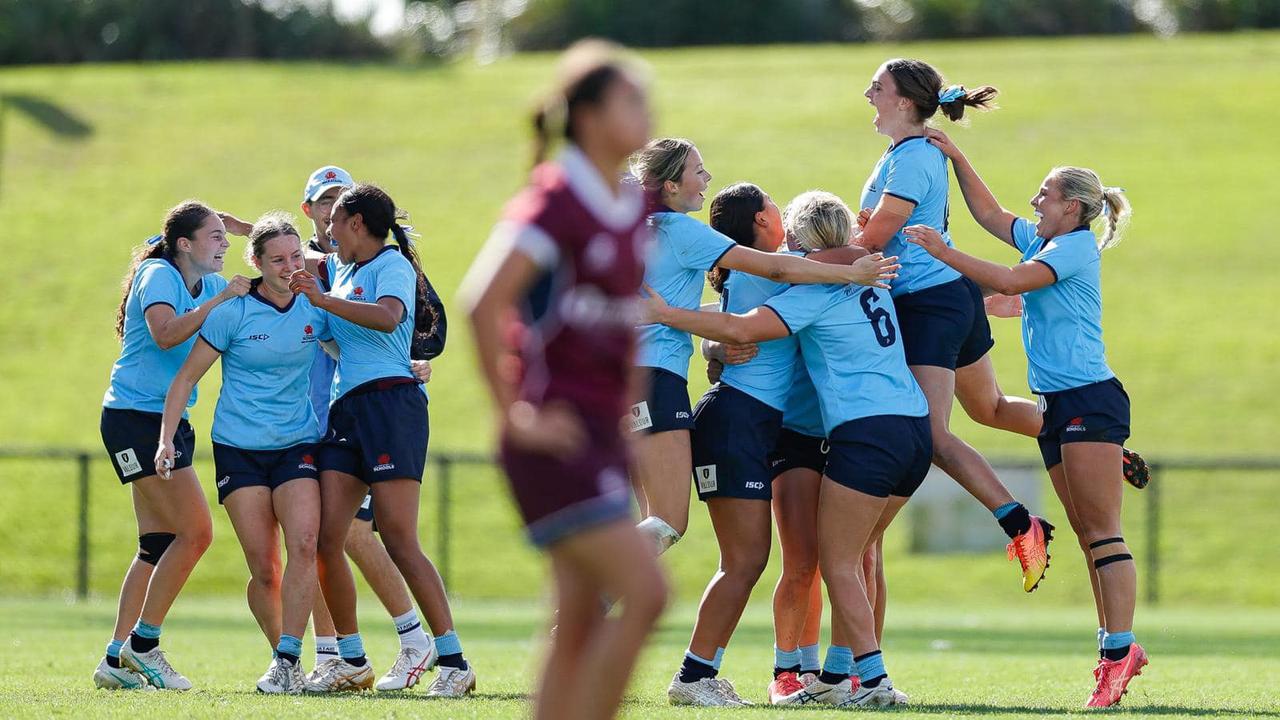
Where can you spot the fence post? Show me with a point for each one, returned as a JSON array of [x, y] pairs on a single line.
[[1153, 536], [445, 461], [82, 539]]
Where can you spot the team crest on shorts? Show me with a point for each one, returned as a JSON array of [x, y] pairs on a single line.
[[706, 477], [128, 462], [640, 418]]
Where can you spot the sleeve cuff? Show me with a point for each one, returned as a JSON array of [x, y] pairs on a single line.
[[159, 302], [720, 257], [1046, 264], [208, 342], [902, 197], [782, 319]]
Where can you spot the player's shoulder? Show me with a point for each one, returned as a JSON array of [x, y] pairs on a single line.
[[917, 150], [230, 311], [152, 268]]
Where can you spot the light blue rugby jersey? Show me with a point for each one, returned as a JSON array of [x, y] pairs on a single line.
[[1062, 322], [141, 377], [366, 354], [265, 403], [323, 367], [683, 249], [850, 344], [916, 171], [767, 376], [802, 412]]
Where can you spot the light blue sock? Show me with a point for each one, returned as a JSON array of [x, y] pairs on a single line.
[[1102, 633], [351, 647], [871, 666], [147, 630], [289, 645], [809, 661], [1115, 641], [839, 661], [448, 644], [113, 648], [784, 659], [1004, 510], [719, 658]]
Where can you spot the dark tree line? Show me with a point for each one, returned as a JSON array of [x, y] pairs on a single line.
[[66, 31]]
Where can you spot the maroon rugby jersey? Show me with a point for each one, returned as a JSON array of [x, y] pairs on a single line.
[[578, 342]]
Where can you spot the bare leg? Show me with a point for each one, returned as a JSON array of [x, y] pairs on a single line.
[[395, 508], [180, 503], [254, 520], [983, 400], [370, 555], [954, 456], [340, 497], [133, 591], [579, 618], [1096, 484], [619, 561], [1058, 475], [297, 505], [663, 466], [743, 533], [795, 508]]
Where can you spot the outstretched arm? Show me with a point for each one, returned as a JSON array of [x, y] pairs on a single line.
[[757, 325], [874, 270], [1024, 277], [983, 206]]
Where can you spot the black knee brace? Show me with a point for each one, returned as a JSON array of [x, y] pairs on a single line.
[[152, 545], [1118, 557]]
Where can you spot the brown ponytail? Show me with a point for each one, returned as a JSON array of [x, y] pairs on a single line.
[[733, 214], [920, 83], [181, 221]]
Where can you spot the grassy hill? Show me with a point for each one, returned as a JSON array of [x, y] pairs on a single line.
[[1183, 124]]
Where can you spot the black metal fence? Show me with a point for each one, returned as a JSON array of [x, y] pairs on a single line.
[[444, 463]]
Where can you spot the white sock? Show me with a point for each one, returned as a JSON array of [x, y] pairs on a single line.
[[410, 631], [662, 534], [326, 647]]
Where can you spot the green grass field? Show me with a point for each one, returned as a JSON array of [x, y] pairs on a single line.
[[1189, 293], [1184, 124], [953, 663]]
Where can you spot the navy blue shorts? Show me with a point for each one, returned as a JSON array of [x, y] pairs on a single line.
[[796, 450], [667, 407], [1098, 412], [378, 431], [945, 325], [733, 434], [238, 468], [131, 438], [881, 455]]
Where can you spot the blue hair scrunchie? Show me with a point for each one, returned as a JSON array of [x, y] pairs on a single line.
[[951, 94], [154, 239]]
